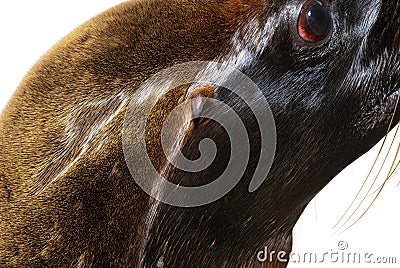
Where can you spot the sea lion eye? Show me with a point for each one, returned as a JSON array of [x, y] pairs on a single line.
[[314, 22]]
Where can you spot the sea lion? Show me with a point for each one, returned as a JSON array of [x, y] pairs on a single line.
[[67, 196]]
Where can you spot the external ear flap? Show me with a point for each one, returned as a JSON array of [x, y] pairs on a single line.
[[197, 106], [85, 132]]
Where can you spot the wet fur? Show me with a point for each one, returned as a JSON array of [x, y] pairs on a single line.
[[66, 196]]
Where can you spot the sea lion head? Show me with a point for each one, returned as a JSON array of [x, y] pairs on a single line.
[[329, 71]]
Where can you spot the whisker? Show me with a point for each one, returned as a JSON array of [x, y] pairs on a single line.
[[363, 185], [380, 191], [370, 172], [396, 169]]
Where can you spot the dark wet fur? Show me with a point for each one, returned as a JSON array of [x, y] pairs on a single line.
[[331, 103]]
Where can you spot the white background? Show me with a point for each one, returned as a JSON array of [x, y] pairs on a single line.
[[29, 28]]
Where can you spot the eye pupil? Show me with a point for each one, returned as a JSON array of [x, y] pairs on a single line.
[[319, 20], [315, 22]]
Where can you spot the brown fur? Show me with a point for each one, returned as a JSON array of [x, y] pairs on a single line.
[[73, 86]]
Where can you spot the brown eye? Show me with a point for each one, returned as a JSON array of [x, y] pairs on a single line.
[[314, 22]]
